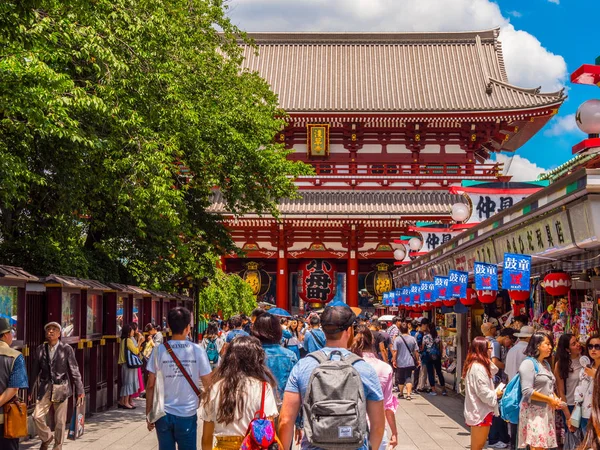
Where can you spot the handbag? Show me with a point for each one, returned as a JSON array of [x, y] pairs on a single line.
[[261, 431], [77, 421], [59, 392], [576, 416], [158, 400], [133, 360], [15, 419], [185, 373], [573, 440]]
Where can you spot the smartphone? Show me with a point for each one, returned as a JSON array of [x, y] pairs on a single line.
[[501, 387]]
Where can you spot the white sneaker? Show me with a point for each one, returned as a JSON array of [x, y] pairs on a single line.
[[498, 444], [433, 393]]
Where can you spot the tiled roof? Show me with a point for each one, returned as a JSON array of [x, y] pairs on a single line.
[[359, 202], [127, 289], [389, 72], [72, 282], [16, 273]]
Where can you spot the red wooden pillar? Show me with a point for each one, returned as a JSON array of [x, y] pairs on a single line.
[[352, 271], [282, 272]]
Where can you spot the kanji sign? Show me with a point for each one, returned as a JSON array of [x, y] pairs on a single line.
[[386, 298], [427, 291], [406, 295], [432, 240], [316, 281], [440, 290], [397, 296], [486, 276], [458, 283], [415, 294], [318, 139], [486, 205], [517, 271]]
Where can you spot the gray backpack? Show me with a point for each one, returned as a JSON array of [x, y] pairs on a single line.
[[335, 410]]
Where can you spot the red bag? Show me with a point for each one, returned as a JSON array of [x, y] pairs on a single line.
[[261, 431]]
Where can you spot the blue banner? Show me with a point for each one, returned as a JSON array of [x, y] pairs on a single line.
[[458, 281], [486, 276], [397, 297], [440, 290], [406, 295], [516, 273], [427, 292], [415, 294], [386, 298]]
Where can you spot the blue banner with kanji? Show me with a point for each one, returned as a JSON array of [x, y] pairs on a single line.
[[517, 271], [406, 295], [486, 276], [415, 294], [427, 292], [386, 298], [440, 288], [397, 296], [458, 281]]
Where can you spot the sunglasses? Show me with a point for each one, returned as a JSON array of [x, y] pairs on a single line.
[[594, 347]]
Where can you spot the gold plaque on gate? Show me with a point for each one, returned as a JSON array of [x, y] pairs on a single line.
[[318, 139]]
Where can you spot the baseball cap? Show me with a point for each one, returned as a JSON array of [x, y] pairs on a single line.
[[525, 331], [4, 326], [337, 318]]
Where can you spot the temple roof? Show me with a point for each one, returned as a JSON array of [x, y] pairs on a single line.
[[390, 72], [362, 204]]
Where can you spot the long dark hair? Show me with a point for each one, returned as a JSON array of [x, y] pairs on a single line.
[[478, 353], [363, 341], [592, 437], [563, 357], [244, 358], [126, 331], [432, 330], [533, 348], [212, 330]]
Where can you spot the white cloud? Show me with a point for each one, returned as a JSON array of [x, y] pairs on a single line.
[[516, 14], [521, 169], [560, 126], [528, 63], [556, 2]]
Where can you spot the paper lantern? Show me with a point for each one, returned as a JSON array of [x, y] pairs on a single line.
[[588, 117], [518, 296], [316, 281], [470, 299], [258, 279], [399, 254], [415, 243], [487, 296], [460, 212], [449, 303], [437, 303], [557, 283]]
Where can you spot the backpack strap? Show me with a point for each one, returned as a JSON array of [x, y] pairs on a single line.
[[321, 357], [182, 369]]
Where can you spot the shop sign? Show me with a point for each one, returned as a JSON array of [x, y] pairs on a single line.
[[516, 272], [415, 294], [458, 283], [440, 288], [397, 296], [386, 298], [405, 295], [432, 240], [542, 236], [427, 291], [318, 139], [486, 276], [486, 205], [485, 252]]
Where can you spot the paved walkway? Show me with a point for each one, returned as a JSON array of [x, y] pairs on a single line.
[[425, 423]]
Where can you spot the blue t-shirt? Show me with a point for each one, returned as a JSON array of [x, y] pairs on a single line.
[[18, 376], [298, 382], [233, 334], [314, 339], [180, 398]]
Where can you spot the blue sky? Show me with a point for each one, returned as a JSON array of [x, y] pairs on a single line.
[[543, 42]]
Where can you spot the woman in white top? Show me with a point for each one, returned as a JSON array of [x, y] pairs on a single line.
[[481, 398], [567, 371], [234, 394], [585, 389], [592, 437]]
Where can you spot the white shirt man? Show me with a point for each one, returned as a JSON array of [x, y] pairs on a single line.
[[515, 355]]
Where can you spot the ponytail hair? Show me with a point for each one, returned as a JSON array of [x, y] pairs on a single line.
[[363, 341]]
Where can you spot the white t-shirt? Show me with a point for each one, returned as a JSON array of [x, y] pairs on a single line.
[[251, 392], [180, 398]]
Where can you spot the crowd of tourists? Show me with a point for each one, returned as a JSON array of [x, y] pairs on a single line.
[[325, 381]]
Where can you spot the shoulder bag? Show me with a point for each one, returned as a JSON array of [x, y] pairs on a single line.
[[15, 419], [133, 361], [158, 400], [59, 392], [411, 353], [182, 370], [261, 433]]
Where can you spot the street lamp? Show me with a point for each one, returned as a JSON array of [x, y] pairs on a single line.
[[399, 254], [415, 244], [460, 212]]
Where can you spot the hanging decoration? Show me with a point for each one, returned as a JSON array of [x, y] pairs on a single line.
[[458, 283], [517, 272], [316, 281], [557, 283], [486, 276], [258, 279], [470, 298], [427, 288], [379, 281], [487, 296]]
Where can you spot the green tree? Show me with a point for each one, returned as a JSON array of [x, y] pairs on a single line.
[[117, 119], [227, 293]]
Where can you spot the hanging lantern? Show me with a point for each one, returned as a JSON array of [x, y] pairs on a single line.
[[258, 279], [460, 212], [379, 281], [557, 283], [487, 296], [399, 254], [415, 244], [449, 303], [437, 303], [518, 296], [316, 281], [470, 299]]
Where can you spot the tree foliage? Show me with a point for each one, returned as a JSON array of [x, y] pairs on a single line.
[[227, 293], [117, 119]]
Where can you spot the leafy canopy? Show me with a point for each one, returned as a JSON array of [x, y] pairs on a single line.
[[117, 119]]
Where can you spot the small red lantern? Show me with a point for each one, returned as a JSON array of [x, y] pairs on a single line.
[[470, 299], [557, 283], [449, 303], [487, 296], [437, 303], [518, 296]]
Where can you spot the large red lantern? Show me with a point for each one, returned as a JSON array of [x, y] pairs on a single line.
[[470, 299], [557, 283], [437, 303], [449, 303], [316, 281], [518, 296], [487, 296]]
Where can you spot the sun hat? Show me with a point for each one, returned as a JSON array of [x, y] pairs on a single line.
[[52, 324], [4, 326], [525, 331]]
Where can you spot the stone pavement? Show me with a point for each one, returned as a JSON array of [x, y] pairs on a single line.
[[425, 423]]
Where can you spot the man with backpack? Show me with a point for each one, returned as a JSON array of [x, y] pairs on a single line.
[[314, 339], [336, 391]]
